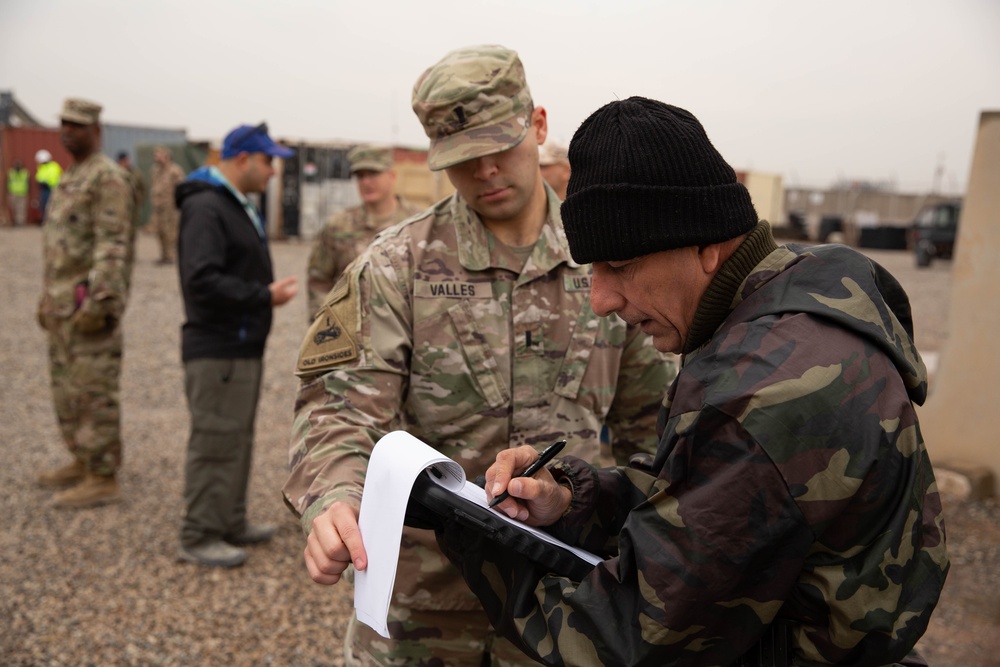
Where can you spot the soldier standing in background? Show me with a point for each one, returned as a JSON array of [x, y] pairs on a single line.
[[554, 161], [138, 185], [165, 217], [350, 231], [87, 238], [137, 182], [469, 326]]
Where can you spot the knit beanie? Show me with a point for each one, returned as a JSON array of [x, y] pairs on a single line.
[[645, 178]]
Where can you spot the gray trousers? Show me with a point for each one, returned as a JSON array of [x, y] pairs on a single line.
[[222, 397]]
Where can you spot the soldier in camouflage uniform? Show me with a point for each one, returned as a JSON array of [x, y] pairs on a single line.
[[791, 487], [350, 231], [165, 217], [88, 242], [554, 162], [138, 185], [469, 326]]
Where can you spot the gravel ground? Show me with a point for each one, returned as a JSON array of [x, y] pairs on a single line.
[[102, 586]]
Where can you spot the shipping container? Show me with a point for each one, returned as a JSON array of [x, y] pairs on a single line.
[[21, 143]]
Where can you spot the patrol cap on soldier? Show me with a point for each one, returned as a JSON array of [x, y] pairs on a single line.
[[473, 102], [370, 158], [80, 111], [551, 153]]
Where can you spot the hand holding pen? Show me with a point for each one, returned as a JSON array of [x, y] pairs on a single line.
[[547, 455]]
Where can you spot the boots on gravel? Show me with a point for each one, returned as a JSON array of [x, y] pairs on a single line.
[[60, 478], [94, 490]]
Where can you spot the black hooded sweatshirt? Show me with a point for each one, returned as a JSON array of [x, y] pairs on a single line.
[[225, 270]]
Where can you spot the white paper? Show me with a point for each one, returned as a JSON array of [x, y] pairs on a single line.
[[396, 461]]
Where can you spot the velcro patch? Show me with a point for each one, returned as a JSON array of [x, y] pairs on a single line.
[[331, 338], [454, 289], [577, 283]]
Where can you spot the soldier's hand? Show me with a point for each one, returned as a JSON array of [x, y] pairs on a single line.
[[537, 500], [283, 290], [334, 543], [86, 321]]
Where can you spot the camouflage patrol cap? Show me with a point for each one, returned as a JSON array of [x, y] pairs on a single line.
[[473, 102], [370, 158], [551, 153], [80, 111]]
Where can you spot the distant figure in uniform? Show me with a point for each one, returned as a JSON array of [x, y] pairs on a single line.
[[47, 175], [469, 326], [88, 238], [165, 217], [229, 292], [17, 193], [350, 231], [554, 161], [137, 182], [138, 185]]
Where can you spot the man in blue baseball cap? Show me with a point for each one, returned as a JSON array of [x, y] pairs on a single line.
[[229, 291]]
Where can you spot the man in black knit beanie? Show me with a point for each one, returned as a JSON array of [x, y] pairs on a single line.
[[791, 508]]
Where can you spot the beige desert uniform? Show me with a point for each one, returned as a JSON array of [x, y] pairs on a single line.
[[165, 217]]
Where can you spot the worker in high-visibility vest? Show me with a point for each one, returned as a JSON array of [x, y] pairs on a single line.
[[48, 174], [17, 192]]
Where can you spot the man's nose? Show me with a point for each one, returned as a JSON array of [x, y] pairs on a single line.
[[486, 168], [604, 298]]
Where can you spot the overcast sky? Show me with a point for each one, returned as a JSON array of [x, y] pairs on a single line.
[[881, 90]]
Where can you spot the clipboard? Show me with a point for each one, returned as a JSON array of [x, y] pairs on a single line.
[[431, 506]]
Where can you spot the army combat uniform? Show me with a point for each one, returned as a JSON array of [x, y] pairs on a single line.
[[342, 239], [165, 217], [138, 184], [441, 330], [88, 240], [791, 483]]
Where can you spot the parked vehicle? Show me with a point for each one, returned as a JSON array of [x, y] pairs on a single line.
[[934, 231]]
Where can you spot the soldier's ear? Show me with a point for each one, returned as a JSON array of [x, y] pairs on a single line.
[[540, 121]]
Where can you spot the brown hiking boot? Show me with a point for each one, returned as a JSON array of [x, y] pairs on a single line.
[[92, 491], [60, 478]]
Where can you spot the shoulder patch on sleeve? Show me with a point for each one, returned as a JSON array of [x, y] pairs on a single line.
[[331, 338]]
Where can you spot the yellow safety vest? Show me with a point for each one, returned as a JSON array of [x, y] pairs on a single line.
[[17, 182], [49, 173]]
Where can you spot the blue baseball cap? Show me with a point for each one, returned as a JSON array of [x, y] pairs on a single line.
[[252, 139]]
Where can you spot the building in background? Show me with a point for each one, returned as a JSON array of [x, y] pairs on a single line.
[[316, 183], [860, 213], [22, 135]]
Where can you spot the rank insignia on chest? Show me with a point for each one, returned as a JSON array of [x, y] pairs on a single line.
[[330, 340]]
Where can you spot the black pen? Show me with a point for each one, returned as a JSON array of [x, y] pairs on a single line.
[[547, 455]]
